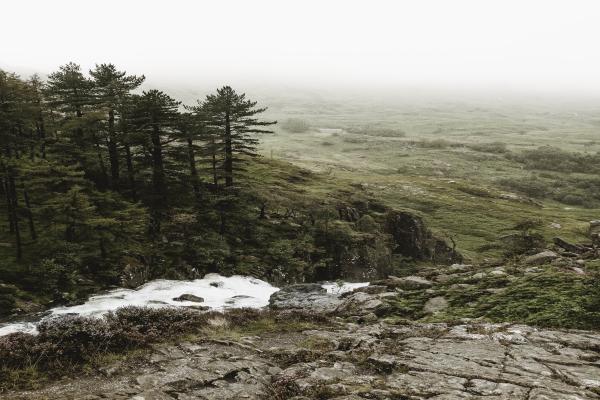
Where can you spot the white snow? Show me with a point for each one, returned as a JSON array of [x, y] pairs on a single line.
[[343, 287], [229, 292]]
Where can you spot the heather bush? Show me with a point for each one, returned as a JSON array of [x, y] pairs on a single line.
[[142, 324], [73, 339], [17, 350]]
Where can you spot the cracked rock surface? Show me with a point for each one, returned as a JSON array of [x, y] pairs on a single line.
[[351, 361]]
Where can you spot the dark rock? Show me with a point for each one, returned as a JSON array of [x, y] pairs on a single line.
[[135, 272], [349, 214], [371, 289], [413, 239], [305, 296], [573, 248], [189, 297]]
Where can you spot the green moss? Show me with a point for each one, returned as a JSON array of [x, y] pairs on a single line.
[[548, 299]]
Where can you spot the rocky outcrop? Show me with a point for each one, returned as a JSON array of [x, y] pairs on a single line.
[[594, 229], [349, 214], [411, 238], [354, 362]]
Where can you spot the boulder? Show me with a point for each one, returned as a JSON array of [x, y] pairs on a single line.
[[435, 304], [595, 226], [189, 297], [135, 272], [304, 296], [541, 258], [409, 282]]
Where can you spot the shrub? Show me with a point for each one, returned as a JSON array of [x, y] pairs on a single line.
[[74, 339], [143, 324], [554, 159], [295, 125], [367, 224], [436, 144], [7, 299], [16, 350], [493, 147], [377, 131], [530, 186], [573, 200]]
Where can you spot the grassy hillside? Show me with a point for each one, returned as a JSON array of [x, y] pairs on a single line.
[[465, 168]]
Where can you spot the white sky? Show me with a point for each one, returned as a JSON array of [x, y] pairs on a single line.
[[530, 44]]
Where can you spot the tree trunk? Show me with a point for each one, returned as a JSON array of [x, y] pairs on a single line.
[[113, 152], [158, 181], [228, 152], [41, 131], [11, 224], [158, 173], [214, 164], [193, 171], [104, 182], [130, 172], [15, 217], [103, 253], [32, 231]]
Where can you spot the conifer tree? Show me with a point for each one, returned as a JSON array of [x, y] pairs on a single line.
[[111, 86], [70, 93], [156, 116], [233, 116]]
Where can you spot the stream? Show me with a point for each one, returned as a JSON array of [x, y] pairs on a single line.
[[219, 293]]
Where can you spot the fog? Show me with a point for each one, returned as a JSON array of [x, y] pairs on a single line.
[[513, 45]]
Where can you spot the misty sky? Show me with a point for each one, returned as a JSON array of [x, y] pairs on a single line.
[[515, 44]]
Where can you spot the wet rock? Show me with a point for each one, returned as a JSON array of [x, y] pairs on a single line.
[[135, 272], [189, 297], [308, 297]]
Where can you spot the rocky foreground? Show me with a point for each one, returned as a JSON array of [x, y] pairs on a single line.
[[355, 356]]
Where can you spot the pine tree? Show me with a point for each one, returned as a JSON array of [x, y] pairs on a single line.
[[130, 139], [192, 130], [156, 116], [70, 93], [233, 116], [111, 87]]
